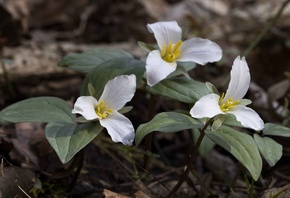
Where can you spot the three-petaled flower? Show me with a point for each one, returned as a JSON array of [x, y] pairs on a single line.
[[116, 94], [160, 63], [232, 102]]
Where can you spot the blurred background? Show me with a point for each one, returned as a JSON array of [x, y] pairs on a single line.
[[36, 34]]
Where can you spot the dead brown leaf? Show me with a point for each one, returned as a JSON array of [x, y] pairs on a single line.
[[110, 194], [140, 194], [15, 182], [282, 192]]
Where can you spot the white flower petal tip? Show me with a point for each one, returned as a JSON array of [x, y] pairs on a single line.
[[119, 128], [160, 63], [157, 69], [85, 105], [248, 117], [117, 92], [232, 102], [165, 32], [200, 50], [240, 80], [206, 107]]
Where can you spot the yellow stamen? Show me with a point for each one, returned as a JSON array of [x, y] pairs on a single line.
[[227, 105], [163, 52], [171, 52], [102, 110]]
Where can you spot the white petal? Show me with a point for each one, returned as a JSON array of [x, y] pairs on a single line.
[[200, 51], [85, 105], [240, 80], [247, 117], [119, 128], [119, 91], [156, 68], [206, 107], [165, 32]]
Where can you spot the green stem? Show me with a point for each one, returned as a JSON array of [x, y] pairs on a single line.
[[250, 186], [266, 29], [6, 75], [239, 170], [191, 159], [149, 138], [79, 166]]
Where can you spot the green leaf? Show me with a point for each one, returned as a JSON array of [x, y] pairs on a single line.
[[218, 121], [276, 130], [212, 88], [108, 70], [269, 149], [67, 139], [242, 146], [206, 144], [91, 90], [167, 122], [86, 61], [186, 65], [232, 121], [146, 47], [39, 109], [182, 69], [184, 29], [125, 109], [180, 89], [4, 122]]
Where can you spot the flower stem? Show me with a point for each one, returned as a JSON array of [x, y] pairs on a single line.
[[80, 162], [149, 138], [191, 159], [6, 75]]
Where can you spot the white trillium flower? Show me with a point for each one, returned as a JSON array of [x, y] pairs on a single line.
[[160, 63], [116, 94], [232, 102]]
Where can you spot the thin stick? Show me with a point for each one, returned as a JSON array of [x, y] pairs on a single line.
[[191, 159], [149, 138]]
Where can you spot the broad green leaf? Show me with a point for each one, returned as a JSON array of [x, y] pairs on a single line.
[[181, 89], [167, 122], [276, 130], [4, 122], [86, 61], [206, 144], [99, 76], [39, 109], [67, 138], [269, 149], [242, 146], [232, 121]]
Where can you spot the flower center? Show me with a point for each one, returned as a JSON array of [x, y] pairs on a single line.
[[227, 105], [102, 110], [171, 52]]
